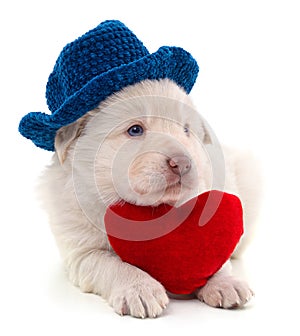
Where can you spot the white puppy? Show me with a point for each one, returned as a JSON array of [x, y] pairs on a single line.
[[146, 145]]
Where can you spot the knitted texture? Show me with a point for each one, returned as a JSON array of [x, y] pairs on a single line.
[[96, 65]]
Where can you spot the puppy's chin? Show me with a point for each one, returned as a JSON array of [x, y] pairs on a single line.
[[173, 195]]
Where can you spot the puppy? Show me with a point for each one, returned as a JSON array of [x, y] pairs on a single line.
[[146, 145]]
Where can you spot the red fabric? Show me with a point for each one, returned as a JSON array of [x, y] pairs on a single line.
[[180, 247]]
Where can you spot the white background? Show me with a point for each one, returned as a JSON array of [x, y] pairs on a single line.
[[248, 90]]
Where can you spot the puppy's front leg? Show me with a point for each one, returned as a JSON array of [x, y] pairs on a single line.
[[129, 290], [225, 291]]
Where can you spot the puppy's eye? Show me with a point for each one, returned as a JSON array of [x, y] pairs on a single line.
[[186, 129], [135, 130]]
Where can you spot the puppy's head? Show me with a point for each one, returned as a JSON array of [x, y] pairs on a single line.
[[144, 145]]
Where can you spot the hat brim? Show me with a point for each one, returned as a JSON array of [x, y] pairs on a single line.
[[168, 62]]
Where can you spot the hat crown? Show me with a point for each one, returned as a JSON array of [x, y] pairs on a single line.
[[111, 44], [96, 65]]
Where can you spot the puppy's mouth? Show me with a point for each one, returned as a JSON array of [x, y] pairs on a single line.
[[170, 191], [174, 188], [168, 183]]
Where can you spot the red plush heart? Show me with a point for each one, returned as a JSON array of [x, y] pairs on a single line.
[[180, 247]]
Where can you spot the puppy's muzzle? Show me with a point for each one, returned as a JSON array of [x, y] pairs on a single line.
[[180, 165]]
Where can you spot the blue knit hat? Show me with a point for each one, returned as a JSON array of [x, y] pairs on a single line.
[[96, 65]]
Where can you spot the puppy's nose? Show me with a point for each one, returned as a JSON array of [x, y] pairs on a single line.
[[180, 165]]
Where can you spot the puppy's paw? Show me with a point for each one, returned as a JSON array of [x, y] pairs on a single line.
[[225, 292], [144, 298]]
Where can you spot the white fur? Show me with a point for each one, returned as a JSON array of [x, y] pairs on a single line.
[[97, 163]]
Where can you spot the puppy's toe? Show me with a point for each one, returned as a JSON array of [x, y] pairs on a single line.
[[145, 299], [225, 292]]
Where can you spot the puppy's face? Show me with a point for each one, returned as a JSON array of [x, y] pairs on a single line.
[[146, 146]]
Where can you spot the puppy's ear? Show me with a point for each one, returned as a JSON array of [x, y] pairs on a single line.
[[65, 137]]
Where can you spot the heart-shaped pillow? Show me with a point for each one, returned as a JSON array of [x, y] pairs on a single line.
[[180, 247]]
